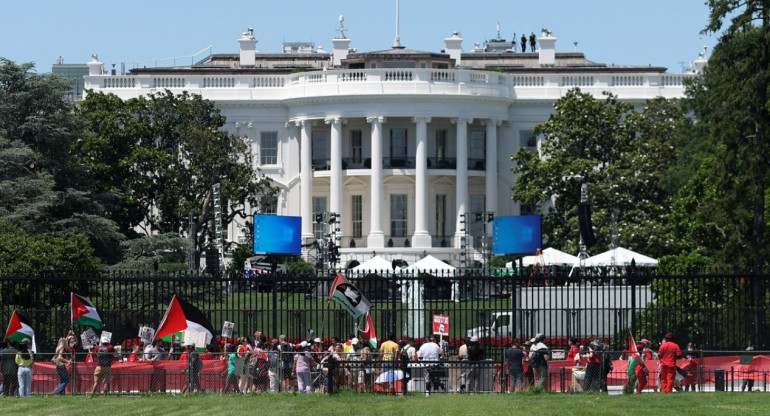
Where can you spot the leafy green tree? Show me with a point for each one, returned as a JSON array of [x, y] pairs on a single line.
[[42, 191], [163, 153], [619, 153], [733, 94]]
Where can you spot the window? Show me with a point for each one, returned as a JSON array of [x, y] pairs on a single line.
[[320, 151], [440, 145], [357, 217], [398, 144], [268, 154], [398, 215], [356, 143], [441, 215], [528, 140], [319, 145], [319, 207], [478, 145], [269, 205]]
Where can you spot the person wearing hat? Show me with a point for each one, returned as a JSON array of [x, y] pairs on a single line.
[[301, 368], [538, 359], [25, 362], [105, 355], [668, 352], [232, 371], [475, 354], [529, 374]]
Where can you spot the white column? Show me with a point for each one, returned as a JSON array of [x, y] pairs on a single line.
[[421, 238], [306, 178], [376, 238], [491, 173], [335, 191], [461, 188]]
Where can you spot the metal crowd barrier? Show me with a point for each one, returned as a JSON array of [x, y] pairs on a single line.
[[345, 372]]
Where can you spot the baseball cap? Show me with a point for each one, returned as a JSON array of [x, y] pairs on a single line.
[[474, 339], [318, 340], [354, 341], [303, 344]]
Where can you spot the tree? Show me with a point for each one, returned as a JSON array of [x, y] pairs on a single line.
[[620, 154], [41, 190], [163, 153], [735, 87]]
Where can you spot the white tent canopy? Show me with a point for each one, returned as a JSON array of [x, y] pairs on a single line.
[[621, 257], [551, 257], [374, 264], [430, 264]]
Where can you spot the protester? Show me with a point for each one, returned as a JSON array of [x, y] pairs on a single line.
[[389, 350], [594, 367], [287, 360], [135, 353], [301, 369], [193, 369], [231, 382], [355, 360], [574, 349], [273, 365], [668, 352], [538, 359], [244, 352], [105, 356], [529, 374], [513, 362], [25, 362], [367, 358], [475, 354], [462, 355], [431, 352], [9, 369], [61, 359]]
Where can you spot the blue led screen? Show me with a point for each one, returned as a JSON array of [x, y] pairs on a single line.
[[516, 235], [274, 234]]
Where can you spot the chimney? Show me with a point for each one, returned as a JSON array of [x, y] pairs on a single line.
[[547, 51], [95, 67], [341, 45], [248, 48], [454, 47]]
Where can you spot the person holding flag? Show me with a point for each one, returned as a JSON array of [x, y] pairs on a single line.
[[635, 365], [25, 361]]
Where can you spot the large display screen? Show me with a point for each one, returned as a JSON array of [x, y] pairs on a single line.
[[516, 235], [274, 234]]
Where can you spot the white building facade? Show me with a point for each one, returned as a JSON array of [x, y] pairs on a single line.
[[400, 143]]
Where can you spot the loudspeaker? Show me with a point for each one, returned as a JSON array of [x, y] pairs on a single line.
[[586, 228]]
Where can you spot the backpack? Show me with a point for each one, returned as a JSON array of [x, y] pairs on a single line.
[[103, 357]]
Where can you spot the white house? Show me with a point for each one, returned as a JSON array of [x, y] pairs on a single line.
[[401, 143]]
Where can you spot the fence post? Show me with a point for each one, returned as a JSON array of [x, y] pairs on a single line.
[[393, 313], [275, 306]]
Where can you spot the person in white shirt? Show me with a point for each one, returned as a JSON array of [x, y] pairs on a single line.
[[430, 351]]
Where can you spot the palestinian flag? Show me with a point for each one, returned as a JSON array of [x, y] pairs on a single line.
[[19, 329], [182, 316], [347, 295], [369, 333], [632, 344], [84, 312]]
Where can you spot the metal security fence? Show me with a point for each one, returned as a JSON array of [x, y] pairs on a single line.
[[333, 372], [714, 310]]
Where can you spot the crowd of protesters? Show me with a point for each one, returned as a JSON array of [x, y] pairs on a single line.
[[259, 364]]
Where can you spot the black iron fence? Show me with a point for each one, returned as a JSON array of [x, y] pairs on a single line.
[[715, 311]]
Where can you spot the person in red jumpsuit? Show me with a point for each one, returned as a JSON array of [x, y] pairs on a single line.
[[668, 352]]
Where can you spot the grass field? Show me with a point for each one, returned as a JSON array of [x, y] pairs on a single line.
[[370, 405]]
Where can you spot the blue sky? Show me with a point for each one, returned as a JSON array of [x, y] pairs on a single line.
[[621, 32]]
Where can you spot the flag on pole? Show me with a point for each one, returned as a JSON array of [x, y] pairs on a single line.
[[84, 312], [20, 328], [182, 316], [632, 346], [369, 333], [347, 295]]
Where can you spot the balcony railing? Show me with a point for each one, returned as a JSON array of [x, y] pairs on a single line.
[[477, 164], [442, 240], [442, 163], [321, 164], [398, 162]]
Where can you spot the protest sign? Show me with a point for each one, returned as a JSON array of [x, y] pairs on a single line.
[[146, 334], [441, 325], [227, 329], [106, 337], [89, 338]]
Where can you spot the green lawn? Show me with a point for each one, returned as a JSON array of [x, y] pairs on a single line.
[[369, 404]]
